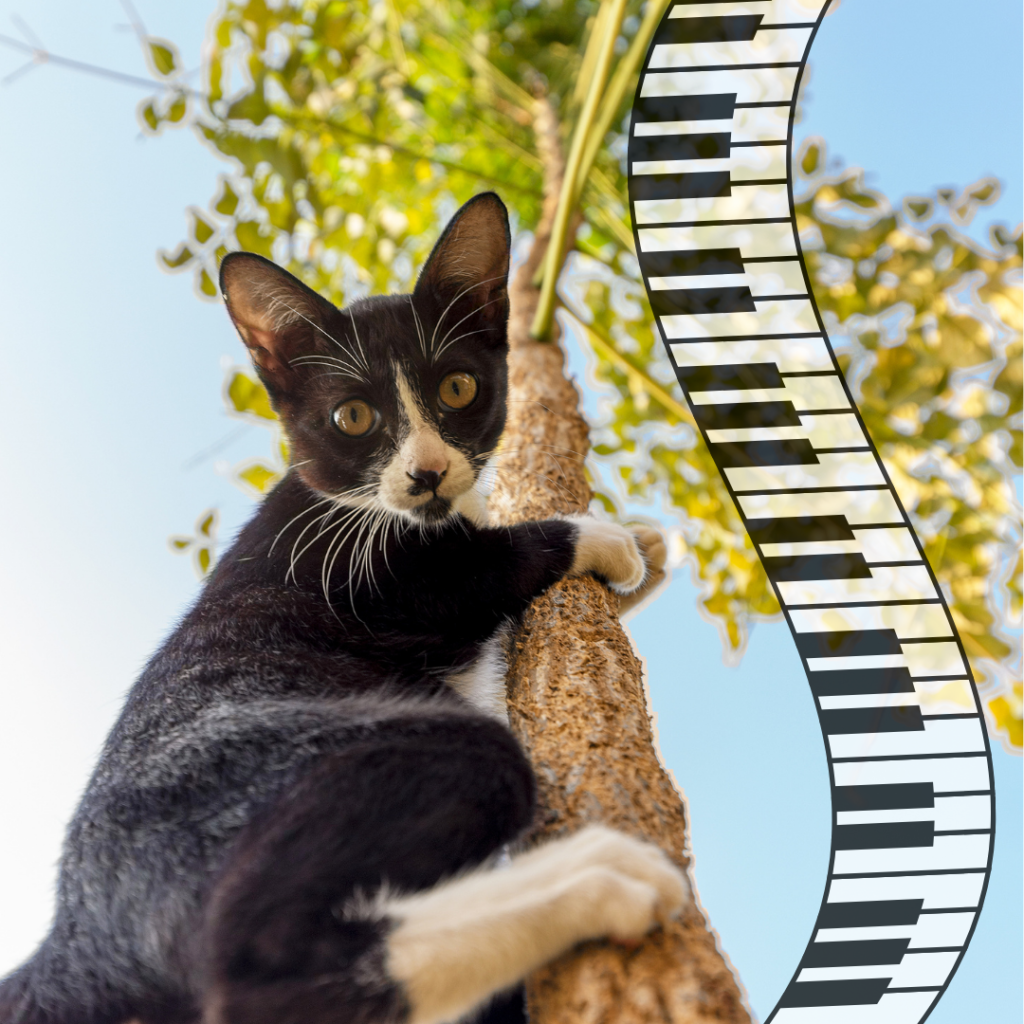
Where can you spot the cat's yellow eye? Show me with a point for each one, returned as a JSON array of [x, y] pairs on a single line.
[[457, 390], [355, 418]]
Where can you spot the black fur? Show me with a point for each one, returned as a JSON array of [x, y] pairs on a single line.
[[293, 745]]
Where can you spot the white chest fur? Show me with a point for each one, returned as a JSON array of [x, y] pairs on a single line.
[[483, 682]]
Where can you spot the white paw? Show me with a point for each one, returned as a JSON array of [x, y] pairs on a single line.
[[609, 550], [599, 847], [655, 554]]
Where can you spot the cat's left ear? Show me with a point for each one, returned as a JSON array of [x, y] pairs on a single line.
[[277, 316], [471, 258]]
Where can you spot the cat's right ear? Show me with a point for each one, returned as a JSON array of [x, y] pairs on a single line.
[[277, 316]]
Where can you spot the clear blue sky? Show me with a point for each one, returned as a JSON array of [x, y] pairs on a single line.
[[111, 377]]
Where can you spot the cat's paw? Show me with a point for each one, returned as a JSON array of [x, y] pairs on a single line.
[[642, 863], [609, 550], [655, 553]]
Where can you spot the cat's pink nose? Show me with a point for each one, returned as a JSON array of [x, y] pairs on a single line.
[[426, 479]]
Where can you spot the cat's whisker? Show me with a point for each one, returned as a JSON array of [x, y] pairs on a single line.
[[325, 519], [362, 352], [445, 346], [294, 519], [468, 288], [437, 352], [419, 327]]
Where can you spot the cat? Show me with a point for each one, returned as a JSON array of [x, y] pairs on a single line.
[[301, 813]]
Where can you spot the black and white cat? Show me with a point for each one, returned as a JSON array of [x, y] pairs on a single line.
[[298, 815]]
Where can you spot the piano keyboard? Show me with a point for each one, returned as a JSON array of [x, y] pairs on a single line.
[[912, 794]]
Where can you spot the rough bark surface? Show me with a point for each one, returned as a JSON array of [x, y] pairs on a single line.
[[577, 700]]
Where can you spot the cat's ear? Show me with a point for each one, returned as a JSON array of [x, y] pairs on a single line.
[[470, 260], [277, 316]]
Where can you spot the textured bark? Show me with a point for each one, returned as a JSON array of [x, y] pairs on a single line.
[[577, 700]]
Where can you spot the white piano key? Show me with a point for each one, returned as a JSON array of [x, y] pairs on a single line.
[[785, 549], [781, 316], [908, 620], [647, 128], [868, 700], [945, 696], [870, 933], [820, 392], [723, 10], [848, 469], [754, 241], [749, 163], [932, 659], [937, 891], [748, 124], [760, 124], [937, 930], [746, 202], [946, 774], [769, 46], [856, 661], [915, 970], [950, 814], [939, 736], [760, 85], [892, 1008], [690, 166], [895, 544], [790, 355], [830, 430], [949, 853], [886, 583], [782, 278]]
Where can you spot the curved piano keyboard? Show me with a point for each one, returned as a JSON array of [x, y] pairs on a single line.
[[710, 186]]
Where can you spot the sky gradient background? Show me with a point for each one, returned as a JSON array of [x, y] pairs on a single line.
[[110, 382]]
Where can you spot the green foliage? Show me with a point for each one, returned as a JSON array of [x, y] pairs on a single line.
[[355, 128], [201, 544]]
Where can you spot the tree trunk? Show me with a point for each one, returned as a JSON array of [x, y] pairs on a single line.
[[577, 701]]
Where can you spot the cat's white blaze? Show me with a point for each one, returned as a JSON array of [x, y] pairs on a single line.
[[456, 945], [483, 682], [422, 449]]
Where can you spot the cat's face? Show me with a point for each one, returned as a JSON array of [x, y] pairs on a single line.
[[396, 402]]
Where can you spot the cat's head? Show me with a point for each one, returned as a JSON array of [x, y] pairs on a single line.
[[396, 401]]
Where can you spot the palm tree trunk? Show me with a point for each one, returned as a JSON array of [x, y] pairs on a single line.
[[577, 699]]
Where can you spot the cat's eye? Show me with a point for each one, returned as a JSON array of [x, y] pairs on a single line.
[[355, 418], [457, 390]]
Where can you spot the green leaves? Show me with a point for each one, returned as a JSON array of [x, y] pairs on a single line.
[[163, 56], [201, 544]]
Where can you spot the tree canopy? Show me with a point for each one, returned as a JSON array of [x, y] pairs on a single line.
[[353, 129]]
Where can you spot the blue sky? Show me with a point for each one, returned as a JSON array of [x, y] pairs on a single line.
[[112, 372]]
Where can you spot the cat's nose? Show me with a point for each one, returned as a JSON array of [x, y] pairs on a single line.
[[426, 479]]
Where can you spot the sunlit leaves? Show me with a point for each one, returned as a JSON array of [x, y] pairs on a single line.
[[163, 56], [201, 544]]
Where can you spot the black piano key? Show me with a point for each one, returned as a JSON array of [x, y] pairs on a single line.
[[889, 835], [855, 954], [682, 262], [700, 185], [861, 680], [905, 718], [860, 992], [795, 529], [729, 377], [844, 566], [848, 643], [871, 914], [713, 107], [796, 452], [673, 301], [892, 796], [737, 28], [739, 415], [712, 146]]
